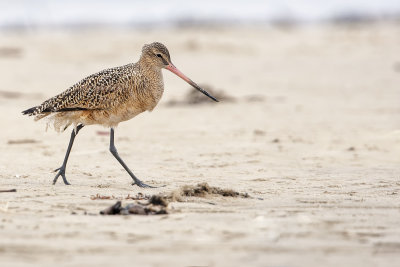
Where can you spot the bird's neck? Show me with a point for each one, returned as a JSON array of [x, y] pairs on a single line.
[[153, 80], [149, 71], [147, 65]]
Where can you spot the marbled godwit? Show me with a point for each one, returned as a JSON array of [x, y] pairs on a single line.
[[110, 97]]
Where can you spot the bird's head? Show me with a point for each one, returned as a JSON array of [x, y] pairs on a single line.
[[157, 55]]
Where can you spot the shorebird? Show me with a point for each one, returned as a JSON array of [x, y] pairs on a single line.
[[109, 97]]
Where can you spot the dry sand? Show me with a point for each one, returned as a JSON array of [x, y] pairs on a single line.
[[314, 132]]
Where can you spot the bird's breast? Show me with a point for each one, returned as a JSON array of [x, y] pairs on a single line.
[[156, 96], [151, 91]]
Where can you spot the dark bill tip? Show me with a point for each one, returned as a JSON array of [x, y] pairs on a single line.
[[203, 91], [173, 69]]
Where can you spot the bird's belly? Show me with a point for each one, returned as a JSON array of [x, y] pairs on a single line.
[[114, 119], [108, 118]]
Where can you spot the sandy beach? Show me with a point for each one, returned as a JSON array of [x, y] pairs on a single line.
[[311, 133]]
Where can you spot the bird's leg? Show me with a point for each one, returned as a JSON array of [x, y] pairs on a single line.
[[114, 151], [61, 170]]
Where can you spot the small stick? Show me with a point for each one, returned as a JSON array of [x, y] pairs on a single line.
[[9, 190]]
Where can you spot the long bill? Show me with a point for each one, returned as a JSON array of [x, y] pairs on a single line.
[[173, 69]]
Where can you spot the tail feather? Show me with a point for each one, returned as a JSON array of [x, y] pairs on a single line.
[[30, 111]]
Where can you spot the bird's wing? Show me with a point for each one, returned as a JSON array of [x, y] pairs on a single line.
[[95, 92]]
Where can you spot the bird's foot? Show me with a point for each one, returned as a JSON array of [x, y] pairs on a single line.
[[143, 185], [61, 171]]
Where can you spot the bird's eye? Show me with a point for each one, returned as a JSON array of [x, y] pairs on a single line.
[[159, 55]]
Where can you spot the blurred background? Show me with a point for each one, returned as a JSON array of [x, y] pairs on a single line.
[[25, 14]]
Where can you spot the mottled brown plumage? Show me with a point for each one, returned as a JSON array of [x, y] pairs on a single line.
[[110, 97]]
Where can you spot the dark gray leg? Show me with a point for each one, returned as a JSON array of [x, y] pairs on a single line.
[[61, 170], [114, 151]]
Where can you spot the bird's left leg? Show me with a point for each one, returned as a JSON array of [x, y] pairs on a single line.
[[61, 170], [114, 151]]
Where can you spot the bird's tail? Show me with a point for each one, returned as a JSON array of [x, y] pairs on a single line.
[[35, 111], [31, 111]]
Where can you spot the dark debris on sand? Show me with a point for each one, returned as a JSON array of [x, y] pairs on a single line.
[[204, 190], [10, 52], [158, 204], [22, 141], [8, 190], [155, 206], [138, 196]]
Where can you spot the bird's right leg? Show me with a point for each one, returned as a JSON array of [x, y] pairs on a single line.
[[61, 170], [114, 151]]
